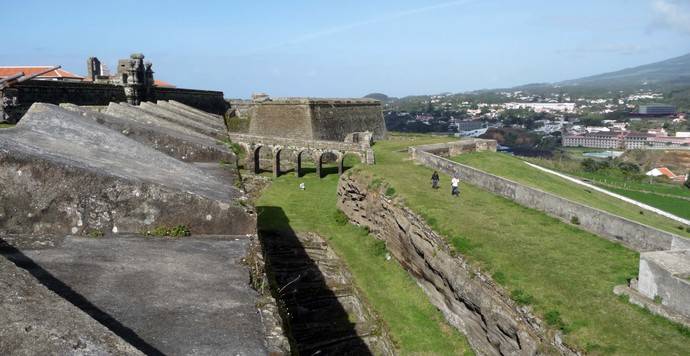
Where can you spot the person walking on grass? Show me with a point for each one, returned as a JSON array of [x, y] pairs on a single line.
[[434, 180], [454, 186]]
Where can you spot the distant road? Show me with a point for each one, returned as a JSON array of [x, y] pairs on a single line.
[[623, 198]]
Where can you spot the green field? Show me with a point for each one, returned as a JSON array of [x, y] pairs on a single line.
[[515, 169], [566, 274], [415, 325], [611, 178], [676, 206]]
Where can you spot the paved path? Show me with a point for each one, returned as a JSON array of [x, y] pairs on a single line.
[[601, 190]]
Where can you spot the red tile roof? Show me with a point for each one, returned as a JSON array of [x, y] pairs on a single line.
[[29, 70], [667, 172], [160, 83]]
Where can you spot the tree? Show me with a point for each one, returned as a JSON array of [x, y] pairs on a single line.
[[589, 165]]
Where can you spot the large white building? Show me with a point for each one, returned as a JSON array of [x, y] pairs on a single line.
[[625, 140], [543, 107]]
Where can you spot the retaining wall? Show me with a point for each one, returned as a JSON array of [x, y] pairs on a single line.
[[631, 234], [468, 298]]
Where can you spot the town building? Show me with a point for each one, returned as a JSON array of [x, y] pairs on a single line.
[[657, 109], [55, 75], [625, 140], [543, 107]]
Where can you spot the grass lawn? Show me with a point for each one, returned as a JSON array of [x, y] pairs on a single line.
[[415, 325], [676, 206], [566, 274], [515, 169], [609, 178]]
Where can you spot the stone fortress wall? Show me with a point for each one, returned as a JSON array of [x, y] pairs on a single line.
[[315, 119], [134, 83]]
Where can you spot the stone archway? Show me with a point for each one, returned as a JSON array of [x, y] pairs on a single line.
[[256, 158], [341, 160]]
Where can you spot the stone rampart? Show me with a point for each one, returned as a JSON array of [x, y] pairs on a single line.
[[468, 298], [87, 93], [206, 100], [316, 119], [633, 235]]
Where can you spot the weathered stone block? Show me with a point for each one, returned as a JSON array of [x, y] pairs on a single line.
[[665, 276], [175, 143], [63, 173]]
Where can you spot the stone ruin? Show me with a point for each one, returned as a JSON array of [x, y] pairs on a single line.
[[135, 75]]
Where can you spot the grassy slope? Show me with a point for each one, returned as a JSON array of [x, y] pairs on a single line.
[[557, 267], [515, 169], [415, 325], [678, 207], [608, 178]]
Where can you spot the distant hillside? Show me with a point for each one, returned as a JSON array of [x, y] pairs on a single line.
[[669, 73], [379, 96]]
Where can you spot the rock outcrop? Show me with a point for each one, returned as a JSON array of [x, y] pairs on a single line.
[[63, 173], [469, 299]]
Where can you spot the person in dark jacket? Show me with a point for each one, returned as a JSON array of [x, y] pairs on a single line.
[[434, 180]]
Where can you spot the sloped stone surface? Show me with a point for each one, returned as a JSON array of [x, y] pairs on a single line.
[[36, 321], [194, 124], [175, 143], [186, 296], [206, 119], [64, 173]]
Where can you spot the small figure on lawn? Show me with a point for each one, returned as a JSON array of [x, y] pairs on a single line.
[[687, 181], [434, 180], [455, 188]]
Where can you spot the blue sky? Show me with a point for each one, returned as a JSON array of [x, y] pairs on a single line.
[[350, 48]]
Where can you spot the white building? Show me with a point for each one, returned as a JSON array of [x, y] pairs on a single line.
[[543, 107]]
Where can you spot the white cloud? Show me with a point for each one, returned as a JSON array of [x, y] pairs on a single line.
[[673, 14]]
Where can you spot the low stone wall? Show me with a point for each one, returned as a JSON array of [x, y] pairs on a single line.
[[631, 234], [469, 299]]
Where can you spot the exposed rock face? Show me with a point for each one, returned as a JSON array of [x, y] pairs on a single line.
[[175, 143], [64, 173], [35, 321], [470, 300]]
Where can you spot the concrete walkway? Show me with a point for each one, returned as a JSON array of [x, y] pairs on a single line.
[[618, 196]]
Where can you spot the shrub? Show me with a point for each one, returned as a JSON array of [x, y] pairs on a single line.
[[164, 231], [575, 220], [521, 297], [499, 277], [390, 192], [629, 168], [553, 318], [96, 233], [340, 218]]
